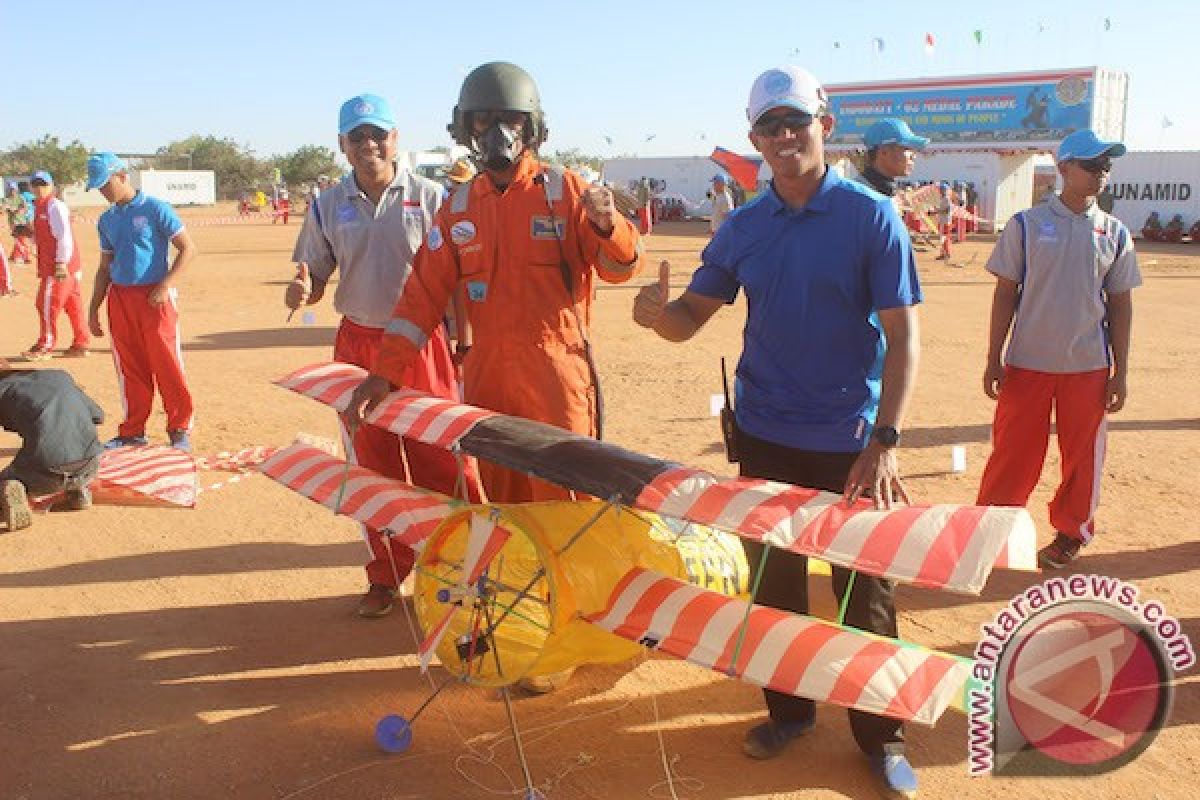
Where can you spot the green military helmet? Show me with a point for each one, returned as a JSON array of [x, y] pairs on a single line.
[[498, 86]]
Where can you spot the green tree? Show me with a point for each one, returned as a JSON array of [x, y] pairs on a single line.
[[235, 165], [574, 157], [67, 163], [306, 163]]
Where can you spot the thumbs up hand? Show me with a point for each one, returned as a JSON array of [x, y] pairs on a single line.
[[299, 289], [652, 299]]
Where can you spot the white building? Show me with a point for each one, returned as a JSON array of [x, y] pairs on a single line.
[[178, 187]]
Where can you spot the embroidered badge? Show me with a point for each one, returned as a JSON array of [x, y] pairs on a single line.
[[477, 291], [546, 228], [462, 232], [435, 238]]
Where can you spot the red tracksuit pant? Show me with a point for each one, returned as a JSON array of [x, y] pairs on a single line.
[[52, 298], [22, 249], [399, 458], [1021, 434], [146, 351]]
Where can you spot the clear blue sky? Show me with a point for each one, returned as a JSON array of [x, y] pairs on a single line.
[[131, 76]]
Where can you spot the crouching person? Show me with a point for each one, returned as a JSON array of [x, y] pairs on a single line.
[[59, 453]]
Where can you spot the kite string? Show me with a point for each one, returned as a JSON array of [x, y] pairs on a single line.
[[669, 764], [758, 576]]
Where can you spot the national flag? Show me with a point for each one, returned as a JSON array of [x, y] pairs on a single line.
[[1166, 122], [743, 170], [978, 34], [878, 44], [929, 44]]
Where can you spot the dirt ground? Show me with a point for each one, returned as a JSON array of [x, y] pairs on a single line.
[[214, 652]]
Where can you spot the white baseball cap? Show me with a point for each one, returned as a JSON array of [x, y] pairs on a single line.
[[789, 86]]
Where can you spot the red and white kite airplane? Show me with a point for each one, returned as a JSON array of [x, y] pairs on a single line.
[[482, 581]]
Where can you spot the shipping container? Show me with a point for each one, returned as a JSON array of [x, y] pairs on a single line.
[[177, 187], [686, 178], [1164, 181]]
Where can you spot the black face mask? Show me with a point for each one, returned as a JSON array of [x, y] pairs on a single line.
[[499, 147]]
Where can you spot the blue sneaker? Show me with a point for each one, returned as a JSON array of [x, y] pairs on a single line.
[[126, 441], [770, 738], [894, 772], [180, 440]]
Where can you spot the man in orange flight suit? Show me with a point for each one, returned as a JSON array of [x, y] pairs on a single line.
[[523, 242]]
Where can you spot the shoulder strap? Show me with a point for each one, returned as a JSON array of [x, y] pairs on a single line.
[[460, 196], [555, 176]]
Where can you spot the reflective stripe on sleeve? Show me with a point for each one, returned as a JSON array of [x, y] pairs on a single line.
[[402, 327]]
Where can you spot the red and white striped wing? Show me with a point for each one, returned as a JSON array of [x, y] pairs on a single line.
[[146, 476], [405, 412], [786, 652], [412, 514], [941, 546]]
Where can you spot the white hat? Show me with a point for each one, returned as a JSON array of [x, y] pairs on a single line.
[[785, 86]]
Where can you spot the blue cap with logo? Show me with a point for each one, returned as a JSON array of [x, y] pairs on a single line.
[[101, 167], [365, 109], [891, 130], [1085, 144], [41, 176]]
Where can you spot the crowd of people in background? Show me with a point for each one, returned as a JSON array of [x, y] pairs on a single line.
[[1153, 229]]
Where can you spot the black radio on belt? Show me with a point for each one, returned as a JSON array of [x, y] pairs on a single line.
[[729, 429]]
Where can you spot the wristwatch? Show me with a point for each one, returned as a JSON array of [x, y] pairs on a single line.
[[886, 435]]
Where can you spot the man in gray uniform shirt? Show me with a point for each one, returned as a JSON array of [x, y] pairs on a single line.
[[1065, 271], [369, 226]]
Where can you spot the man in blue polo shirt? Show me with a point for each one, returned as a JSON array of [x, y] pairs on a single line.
[[827, 367], [139, 284]]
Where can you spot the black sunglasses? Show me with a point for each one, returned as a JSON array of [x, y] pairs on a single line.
[[793, 120], [361, 134], [1095, 165]]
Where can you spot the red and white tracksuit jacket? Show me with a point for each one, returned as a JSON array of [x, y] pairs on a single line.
[[56, 244]]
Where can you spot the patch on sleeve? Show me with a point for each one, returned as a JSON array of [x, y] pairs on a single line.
[[435, 241], [477, 291]]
